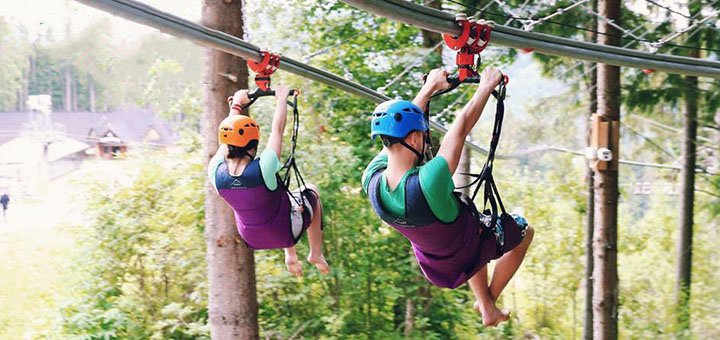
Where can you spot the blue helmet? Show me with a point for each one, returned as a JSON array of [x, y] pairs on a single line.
[[397, 118]]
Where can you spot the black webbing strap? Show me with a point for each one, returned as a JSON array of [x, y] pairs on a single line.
[[258, 93], [497, 130], [485, 179], [291, 165], [252, 100]]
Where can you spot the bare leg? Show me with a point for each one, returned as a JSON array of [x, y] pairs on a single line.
[[291, 261], [508, 264], [484, 303], [315, 237]]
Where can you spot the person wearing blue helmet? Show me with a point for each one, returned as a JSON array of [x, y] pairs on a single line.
[[417, 198]]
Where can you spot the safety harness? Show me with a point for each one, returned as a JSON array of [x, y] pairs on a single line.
[[263, 70], [474, 38]]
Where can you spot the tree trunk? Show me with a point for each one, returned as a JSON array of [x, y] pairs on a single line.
[[590, 209], [409, 317], [75, 94], [687, 189], [716, 153], [91, 93], [21, 94], [687, 200], [605, 278], [68, 89], [18, 99], [26, 88], [431, 38], [463, 167], [233, 304], [589, 221]]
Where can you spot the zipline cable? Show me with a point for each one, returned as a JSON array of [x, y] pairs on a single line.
[[509, 21], [705, 25], [442, 22], [174, 25], [183, 28], [530, 25], [512, 16], [667, 8]]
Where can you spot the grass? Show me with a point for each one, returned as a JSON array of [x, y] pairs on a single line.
[[33, 253]]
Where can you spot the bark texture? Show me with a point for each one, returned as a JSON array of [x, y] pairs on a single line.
[[687, 202], [590, 225], [590, 209], [231, 266], [605, 277]]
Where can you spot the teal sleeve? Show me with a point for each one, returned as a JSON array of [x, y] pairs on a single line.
[[269, 166], [437, 187], [212, 168], [379, 162]]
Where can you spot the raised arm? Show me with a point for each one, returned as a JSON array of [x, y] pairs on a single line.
[[452, 144], [279, 120], [436, 80]]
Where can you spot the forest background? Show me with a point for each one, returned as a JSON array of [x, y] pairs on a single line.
[[132, 265]]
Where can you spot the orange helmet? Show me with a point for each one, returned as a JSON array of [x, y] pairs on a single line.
[[238, 130]]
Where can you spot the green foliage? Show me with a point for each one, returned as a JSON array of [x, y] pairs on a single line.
[[141, 270], [13, 64], [176, 101], [142, 266], [159, 73]]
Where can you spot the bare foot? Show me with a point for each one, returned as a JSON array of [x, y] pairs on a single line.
[[294, 266], [491, 315], [319, 262]]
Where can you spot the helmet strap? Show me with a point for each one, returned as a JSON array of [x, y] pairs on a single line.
[[417, 153], [427, 146], [251, 156]]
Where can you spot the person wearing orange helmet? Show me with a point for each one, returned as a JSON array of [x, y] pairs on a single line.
[[268, 216]]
